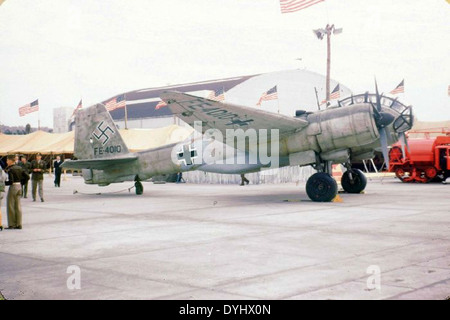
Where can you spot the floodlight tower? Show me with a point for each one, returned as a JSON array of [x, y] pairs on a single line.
[[320, 33]]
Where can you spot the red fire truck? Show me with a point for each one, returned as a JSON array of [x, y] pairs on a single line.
[[426, 160]]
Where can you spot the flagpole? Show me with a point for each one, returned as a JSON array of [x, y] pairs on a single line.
[[126, 113]]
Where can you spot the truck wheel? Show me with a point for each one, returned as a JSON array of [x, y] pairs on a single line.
[[356, 184], [431, 172], [139, 187], [321, 187]]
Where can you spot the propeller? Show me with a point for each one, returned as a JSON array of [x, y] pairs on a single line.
[[404, 142], [382, 120]]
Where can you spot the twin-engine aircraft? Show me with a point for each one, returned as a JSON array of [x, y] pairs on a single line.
[[233, 139]]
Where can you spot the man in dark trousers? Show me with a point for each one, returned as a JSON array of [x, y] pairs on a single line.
[[57, 165], [38, 167], [244, 180], [14, 208], [26, 166]]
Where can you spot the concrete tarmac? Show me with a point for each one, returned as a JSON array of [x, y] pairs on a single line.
[[191, 241]]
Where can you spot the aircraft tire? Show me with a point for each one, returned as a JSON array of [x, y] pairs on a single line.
[[139, 187], [321, 187], [357, 185]]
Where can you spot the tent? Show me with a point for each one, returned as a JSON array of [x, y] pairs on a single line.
[[63, 143]]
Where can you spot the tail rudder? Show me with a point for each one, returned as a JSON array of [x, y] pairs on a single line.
[[96, 135]]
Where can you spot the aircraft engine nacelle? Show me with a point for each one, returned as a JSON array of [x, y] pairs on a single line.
[[332, 133], [347, 127]]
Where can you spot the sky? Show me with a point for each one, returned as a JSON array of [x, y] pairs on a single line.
[[62, 51]]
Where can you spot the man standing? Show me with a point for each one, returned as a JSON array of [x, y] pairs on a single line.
[[57, 165], [26, 166], [2, 190], [14, 208], [38, 167]]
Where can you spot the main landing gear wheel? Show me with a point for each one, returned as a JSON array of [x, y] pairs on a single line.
[[321, 187], [354, 183], [139, 187]]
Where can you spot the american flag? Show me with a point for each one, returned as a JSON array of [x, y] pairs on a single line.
[[400, 88], [79, 106], [217, 95], [160, 105], [271, 94], [335, 94], [29, 108], [116, 103], [288, 6]]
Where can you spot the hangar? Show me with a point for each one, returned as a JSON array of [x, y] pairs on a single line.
[[296, 91]]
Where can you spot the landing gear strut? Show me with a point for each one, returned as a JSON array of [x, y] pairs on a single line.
[[353, 180]]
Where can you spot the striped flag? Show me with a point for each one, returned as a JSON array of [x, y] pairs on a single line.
[[217, 95], [29, 108], [400, 88], [160, 105], [335, 94], [270, 94], [116, 103], [288, 6], [79, 106]]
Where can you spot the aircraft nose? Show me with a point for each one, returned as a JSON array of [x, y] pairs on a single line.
[[384, 119]]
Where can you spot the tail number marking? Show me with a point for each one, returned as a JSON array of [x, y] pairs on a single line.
[[107, 150]]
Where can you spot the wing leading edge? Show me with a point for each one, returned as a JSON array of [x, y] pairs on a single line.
[[222, 116]]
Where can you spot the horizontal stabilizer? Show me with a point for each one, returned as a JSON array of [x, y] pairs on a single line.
[[98, 164]]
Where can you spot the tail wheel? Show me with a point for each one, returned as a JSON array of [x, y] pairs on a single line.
[[321, 187], [431, 172], [354, 181], [139, 187]]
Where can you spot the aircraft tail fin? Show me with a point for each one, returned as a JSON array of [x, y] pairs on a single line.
[[96, 135]]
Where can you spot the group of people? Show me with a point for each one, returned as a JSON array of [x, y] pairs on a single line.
[[17, 175]]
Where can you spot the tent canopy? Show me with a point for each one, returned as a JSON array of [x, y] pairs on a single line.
[[63, 143]]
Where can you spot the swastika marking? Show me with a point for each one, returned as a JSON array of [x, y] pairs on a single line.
[[102, 133]]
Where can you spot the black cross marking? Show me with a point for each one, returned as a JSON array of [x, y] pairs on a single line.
[[239, 122], [187, 154], [102, 133]]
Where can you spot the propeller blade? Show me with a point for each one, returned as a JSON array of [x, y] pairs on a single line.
[[402, 142], [384, 146], [406, 142], [378, 96]]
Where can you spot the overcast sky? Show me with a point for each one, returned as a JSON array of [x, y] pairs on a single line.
[[60, 50]]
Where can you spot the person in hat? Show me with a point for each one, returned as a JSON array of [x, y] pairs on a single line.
[[26, 166], [15, 175], [38, 167]]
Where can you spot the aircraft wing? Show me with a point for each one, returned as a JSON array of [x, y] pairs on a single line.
[[222, 116], [99, 164]]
